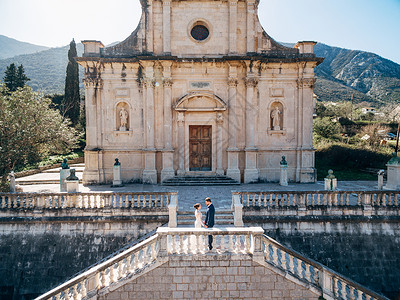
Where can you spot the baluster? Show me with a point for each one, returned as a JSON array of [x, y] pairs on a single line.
[[83, 289], [162, 200], [199, 244], [144, 201], [66, 294], [299, 268], [135, 261], [103, 278], [259, 199], [173, 244], [395, 199], [318, 196], [75, 292], [390, 200], [359, 200], [112, 274], [97, 283], [352, 293], [128, 264], [283, 260], [230, 242], [336, 287], [246, 244], [270, 200], [384, 199], [275, 258], [150, 201], [58, 296], [248, 199], [265, 199], [307, 272], [291, 263], [120, 269]]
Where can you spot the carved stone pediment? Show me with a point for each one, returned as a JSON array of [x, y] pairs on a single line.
[[203, 101]]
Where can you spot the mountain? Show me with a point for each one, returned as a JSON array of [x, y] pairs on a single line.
[[367, 76], [46, 69], [10, 47], [344, 74]]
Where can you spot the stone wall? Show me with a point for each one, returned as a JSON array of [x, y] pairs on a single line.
[[211, 277], [364, 249], [38, 253]]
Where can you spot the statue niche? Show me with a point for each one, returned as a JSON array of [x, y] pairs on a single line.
[[276, 116], [122, 116]]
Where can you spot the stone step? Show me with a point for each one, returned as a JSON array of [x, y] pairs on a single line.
[[200, 180]]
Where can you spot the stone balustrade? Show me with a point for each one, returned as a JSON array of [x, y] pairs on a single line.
[[309, 199], [332, 284], [129, 262], [155, 251], [92, 200]]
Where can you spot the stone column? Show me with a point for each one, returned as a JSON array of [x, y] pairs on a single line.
[[250, 26], [181, 143], [233, 152], [219, 121], [251, 170], [232, 26], [166, 26], [168, 152], [149, 172]]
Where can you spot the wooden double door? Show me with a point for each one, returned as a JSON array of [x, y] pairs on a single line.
[[200, 148]]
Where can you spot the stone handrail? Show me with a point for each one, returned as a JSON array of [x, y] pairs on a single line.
[[86, 285], [195, 240], [192, 241], [332, 284], [91, 200], [274, 199]]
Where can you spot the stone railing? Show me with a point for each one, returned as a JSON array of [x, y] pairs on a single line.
[[332, 284], [86, 285], [301, 203], [275, 199], [92, 200], [155, 250]]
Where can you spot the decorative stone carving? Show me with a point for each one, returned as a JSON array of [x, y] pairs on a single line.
[[123, 114], [276, 119], [167, 82], [232, 82], [251, 82], [306, 83], [149, 82]]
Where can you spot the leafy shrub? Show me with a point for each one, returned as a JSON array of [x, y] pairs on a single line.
[[325, 127]]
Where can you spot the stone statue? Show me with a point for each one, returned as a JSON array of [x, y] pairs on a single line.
[[72, 176], [276, 119], [64, 164], [283, 162], [123, 114], [395, 160]]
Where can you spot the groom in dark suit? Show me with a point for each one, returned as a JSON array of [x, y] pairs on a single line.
[[209, 220]]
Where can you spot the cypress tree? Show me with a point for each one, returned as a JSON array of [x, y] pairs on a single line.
[[71, 103], [10, 78], [22, 79]]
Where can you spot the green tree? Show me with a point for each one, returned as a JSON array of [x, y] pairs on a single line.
[[71, 102], [30, 130], [15, 77], [22, 79], [325, 127]]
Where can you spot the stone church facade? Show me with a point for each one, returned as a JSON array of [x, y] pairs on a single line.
[[199, 88]]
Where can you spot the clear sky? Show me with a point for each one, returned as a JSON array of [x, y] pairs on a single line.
[[369, 25]]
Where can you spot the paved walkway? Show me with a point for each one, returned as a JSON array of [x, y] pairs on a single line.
[[188, 195]]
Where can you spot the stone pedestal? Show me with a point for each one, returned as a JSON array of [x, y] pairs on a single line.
[[251, 172], [330, 184], [64, 173], [117, 175], [13, 187], [167, 171], [283, 181], [380, 179], [393, 177], [72, 186]]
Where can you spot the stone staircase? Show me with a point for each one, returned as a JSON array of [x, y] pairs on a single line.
[[223, 218], [200, 180]]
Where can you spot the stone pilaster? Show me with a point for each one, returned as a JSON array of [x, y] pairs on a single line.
[[233, 152], [219, 122], [168, 153], [150, 26], [250, 25], [251, 171], [232, 26], [149, 172], [181, 143], [166, 26]]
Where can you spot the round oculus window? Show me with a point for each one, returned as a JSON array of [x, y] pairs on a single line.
[[199, 32]]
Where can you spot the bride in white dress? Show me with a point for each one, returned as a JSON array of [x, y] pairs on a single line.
[[198, 223]]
